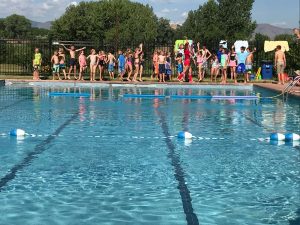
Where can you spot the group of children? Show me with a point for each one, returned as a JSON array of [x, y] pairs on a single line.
[[239, 62], [132, 63], [128, 62]]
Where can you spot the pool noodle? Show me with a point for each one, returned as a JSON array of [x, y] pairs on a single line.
[[55, 94], [191, 97]]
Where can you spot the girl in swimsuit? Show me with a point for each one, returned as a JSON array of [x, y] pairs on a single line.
[[82, 64], [93, 64], [214, 68], [142, 61], [137, 53], [129, 64], [187, 63], [101, 62], [232, 63]]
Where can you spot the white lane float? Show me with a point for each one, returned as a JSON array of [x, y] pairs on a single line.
[[17, 133], [184, 135]]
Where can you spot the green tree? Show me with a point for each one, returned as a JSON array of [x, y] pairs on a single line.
[[285, 37], [202, 24], [165, 33], [235, 19], [221, 19], [17, 26], [116, 21], [260, 39]]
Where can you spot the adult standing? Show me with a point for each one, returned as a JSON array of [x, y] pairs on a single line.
[[280, 64]]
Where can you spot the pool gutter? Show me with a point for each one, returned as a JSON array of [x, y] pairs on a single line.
[[145, 84]]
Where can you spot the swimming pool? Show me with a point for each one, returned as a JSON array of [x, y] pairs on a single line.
[[105, 159]]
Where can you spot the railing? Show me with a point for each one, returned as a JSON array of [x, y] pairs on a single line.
[[16, 55], [288, 89]]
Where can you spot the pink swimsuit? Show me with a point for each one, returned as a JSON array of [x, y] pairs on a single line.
[[82, 61]]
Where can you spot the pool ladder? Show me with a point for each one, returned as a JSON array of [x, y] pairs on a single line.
[[287, 90]]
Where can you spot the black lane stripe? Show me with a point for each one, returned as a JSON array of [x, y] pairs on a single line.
[[40, 148], [184, 191]]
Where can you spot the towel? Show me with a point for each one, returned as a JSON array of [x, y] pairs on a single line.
[[239, 44], [271, 45]]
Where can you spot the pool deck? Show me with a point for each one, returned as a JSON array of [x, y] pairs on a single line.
[[278, 88], [266, 85]]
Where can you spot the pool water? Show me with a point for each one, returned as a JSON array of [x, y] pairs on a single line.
[[112, 160]]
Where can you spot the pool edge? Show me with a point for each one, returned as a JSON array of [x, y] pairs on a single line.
[[277, 88]]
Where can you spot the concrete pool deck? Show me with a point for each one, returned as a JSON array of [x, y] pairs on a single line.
[[266, 85]]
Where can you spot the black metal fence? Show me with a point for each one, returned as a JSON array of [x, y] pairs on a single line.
[[16, 55]]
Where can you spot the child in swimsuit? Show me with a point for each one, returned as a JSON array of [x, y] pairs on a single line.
[[82, 64], [129, 64], [37, 62], [55, 68], [93, 64], [232, 64], [62, 58], [214, 68], [101, 62]]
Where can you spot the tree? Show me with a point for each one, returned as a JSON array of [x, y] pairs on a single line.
[[116, 21], [17, 26], [285, 37], [202, 24], [165, 33], [260, 40], [221, 19], [235, 19]]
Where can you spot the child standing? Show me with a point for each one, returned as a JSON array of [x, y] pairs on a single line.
[[62, 58], [224, 63], [93, 64], [155, 65], [37, 63], [82, 64], [142, 62], [111, 65], [101, 62], [179, 64], [214, 68], [169, 67], [55, 62], [232, 64], [129, 64], [162, 66], [72, 52], [121, 65]]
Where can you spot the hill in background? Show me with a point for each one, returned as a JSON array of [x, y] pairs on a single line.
[[44, 25], [271, 31]]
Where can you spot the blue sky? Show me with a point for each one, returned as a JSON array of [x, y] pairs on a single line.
[[283, 13]]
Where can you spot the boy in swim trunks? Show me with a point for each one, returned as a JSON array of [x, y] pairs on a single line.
[[62, 58], [280, 64], [55, 62], [37, 63], [162, 66], [72, 52], [111, 65]]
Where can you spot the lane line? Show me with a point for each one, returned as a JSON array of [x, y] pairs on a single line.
[[39, 149]]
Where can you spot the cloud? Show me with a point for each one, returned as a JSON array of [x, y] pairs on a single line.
[[280, 24], [35, 9], [184, 15]]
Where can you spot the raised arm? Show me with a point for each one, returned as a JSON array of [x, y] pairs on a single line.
[[209, 54], [78, 50], [67, 49]]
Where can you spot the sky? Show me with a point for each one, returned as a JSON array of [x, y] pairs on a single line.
[[282, 13]]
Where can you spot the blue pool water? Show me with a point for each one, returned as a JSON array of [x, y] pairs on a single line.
[[110, 160]]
